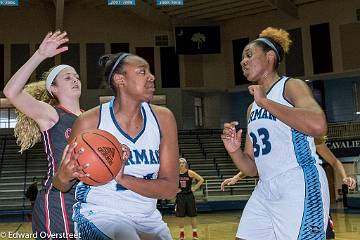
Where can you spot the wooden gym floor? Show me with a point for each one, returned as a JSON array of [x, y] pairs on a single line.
[[217, 226]]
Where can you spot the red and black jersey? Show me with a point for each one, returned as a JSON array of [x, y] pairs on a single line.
[[185, 182], [55, 140]]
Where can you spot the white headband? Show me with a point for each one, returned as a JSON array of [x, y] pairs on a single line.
[[52, 75]]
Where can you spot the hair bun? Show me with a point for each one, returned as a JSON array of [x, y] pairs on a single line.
[[103, 60], [280, 36]]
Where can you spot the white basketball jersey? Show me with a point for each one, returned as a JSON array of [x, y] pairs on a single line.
[[144, 162], [278, 147]]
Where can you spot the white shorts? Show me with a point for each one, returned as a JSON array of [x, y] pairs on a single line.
[[285, 208], [105, 223]]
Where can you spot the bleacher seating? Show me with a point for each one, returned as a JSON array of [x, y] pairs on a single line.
[[205, 154], [17, 171]]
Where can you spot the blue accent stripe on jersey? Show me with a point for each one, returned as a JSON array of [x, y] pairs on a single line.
[[120, 129], [157, 122], [120, 187], [81, 192], [312, 225], [86, 229], [99, 116]]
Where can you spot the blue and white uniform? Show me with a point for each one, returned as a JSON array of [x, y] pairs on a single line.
[[111, 211], [291, 200]]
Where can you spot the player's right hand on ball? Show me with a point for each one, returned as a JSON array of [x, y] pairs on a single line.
[[125, 152], [231, 138], [69, 168]]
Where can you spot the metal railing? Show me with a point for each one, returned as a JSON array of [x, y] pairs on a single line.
[[357, 188], [243, 184], [7, 117], [344, 130], [2, 153]]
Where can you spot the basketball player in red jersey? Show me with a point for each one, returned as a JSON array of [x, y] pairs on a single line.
[[185, 199], [48, 109]]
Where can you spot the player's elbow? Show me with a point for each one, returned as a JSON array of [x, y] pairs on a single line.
[[319, 129], [9, 94]]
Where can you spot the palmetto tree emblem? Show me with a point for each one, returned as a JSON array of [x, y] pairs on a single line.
[[198, 38]]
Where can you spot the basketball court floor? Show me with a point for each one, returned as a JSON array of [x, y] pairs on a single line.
[[215, 226]]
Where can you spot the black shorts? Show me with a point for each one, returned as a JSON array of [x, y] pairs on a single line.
[[185, 205]]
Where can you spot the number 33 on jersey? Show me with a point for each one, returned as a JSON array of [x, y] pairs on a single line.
[[277, 147]]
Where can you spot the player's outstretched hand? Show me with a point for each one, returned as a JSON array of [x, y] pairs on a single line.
[[231, 138], [52, 44]]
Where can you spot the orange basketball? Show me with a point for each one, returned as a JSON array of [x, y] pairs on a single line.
[[103, 152]]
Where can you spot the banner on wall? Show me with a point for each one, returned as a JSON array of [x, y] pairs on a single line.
[[198, 40], [344, 148]]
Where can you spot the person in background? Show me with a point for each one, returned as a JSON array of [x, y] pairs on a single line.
[[185, 199], [348, 182], [31, 194], [232, 180]]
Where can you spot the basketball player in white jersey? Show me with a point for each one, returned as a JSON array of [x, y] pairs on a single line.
[[291, 200], [125, 208], [330, 158]]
